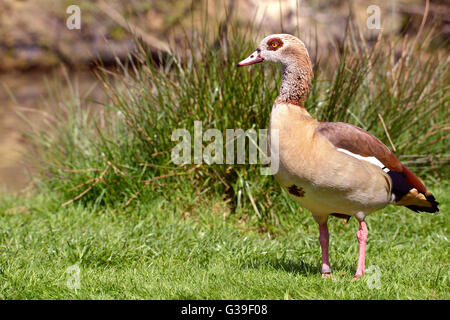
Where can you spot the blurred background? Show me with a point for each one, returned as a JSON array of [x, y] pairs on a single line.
[[37, 50]]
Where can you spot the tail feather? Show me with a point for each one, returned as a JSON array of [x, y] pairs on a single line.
[[407, 193], [431, 200]]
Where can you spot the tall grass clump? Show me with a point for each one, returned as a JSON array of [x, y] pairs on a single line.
[[123, 154]]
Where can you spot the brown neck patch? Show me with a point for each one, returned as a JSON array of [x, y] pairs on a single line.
[[295, 102], [274, 44]]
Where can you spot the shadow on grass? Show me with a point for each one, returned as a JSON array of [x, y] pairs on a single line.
[[296, 267]]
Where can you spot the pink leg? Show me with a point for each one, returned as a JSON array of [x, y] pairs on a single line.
[[324, 238], [362, 235]]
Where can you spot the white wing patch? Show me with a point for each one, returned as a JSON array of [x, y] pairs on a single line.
[[372, 160]]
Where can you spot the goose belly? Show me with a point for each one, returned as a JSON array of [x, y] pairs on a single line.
[[346, 188]]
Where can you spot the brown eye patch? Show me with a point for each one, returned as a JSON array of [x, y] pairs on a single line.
[[274, 44]]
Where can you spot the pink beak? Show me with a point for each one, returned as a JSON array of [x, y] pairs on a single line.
[[255, 57]]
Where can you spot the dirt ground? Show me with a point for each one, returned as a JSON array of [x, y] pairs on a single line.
[[29, 91]]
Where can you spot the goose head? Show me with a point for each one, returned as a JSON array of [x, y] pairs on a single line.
[[297, 67], [281, 48]]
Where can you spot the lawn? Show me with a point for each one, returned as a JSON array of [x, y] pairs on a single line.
[[159, 251]]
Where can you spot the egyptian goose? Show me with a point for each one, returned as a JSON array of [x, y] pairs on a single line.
[[331, 168]]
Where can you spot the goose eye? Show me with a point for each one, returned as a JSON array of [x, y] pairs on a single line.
[[274, 44]]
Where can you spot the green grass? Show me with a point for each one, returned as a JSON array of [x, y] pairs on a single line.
[[160, 251]]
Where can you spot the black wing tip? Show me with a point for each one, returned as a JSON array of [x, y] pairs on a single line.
[[342, 216], [434, 205], [401, 187]]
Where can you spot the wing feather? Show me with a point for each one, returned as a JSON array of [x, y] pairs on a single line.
[[358, 141]]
